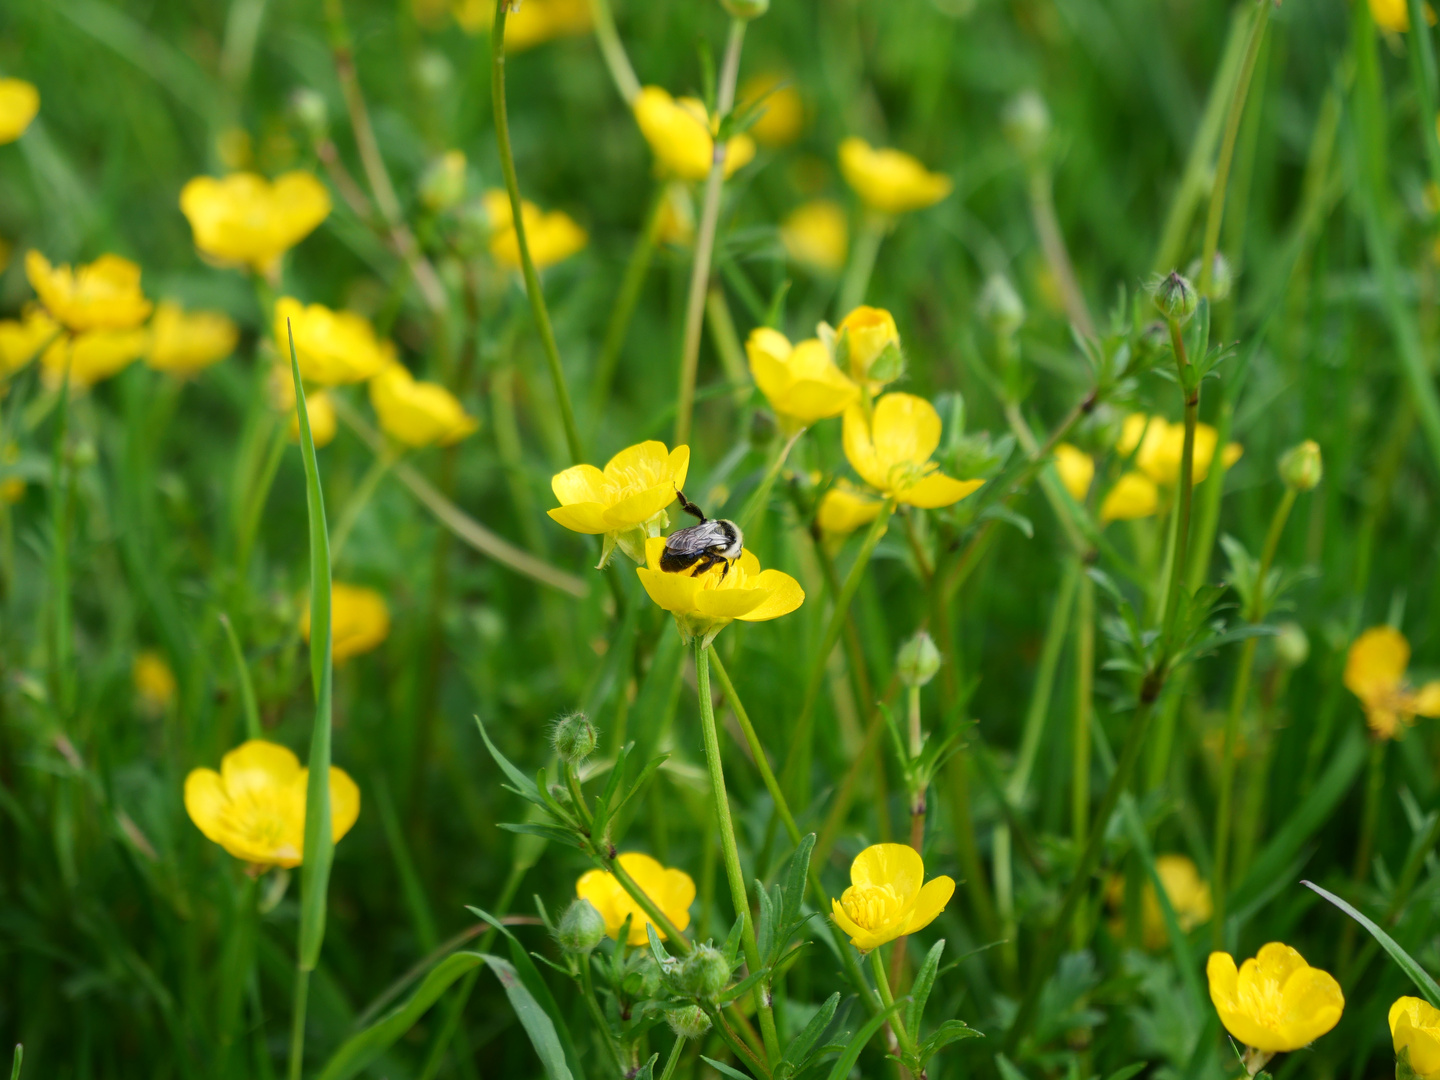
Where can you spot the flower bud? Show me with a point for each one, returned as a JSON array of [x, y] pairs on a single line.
[[1175, 298], [918, 660], [1222, 278], [746, 9], [1026, 123], [1000, 307], [581, 928], [573, 737], [704, 973], [1301, 466], [689, 1022], [434, 71], [308, 108], [443, 184], [1292, 647]]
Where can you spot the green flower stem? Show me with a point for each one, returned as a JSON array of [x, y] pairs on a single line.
[[673, 1061], [613, 50], [1084, 713], [297, 1023], [1057, 257], [731, 853], [527, 264], [756, 503], [705, 241], [62, 477], [737, 1044], [597, 1015], [873, 228], [630, 287], [1238, 697], [678, 941], [887, 1000], [1180, 560], [359, 499]]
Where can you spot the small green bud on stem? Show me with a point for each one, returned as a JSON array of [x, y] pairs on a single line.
[[918, 660], [1301, 466], [1175, 297], [1292, 647], [1000, 306], [688, 1022], [705, 973], [581, 928], [573, 737]]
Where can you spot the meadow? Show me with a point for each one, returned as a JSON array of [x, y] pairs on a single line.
[[786, 539]]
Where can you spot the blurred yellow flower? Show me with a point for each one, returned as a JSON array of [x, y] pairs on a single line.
[[845, 508], [1275, 1002], [21, 339], [19, 102], [891, 452], [1161, 444], [91, 357], [1394, 15], [677, 216], [783, 115], [1133, 496], [625, 502], [817, 235], [532, 23], [245, 219], [890, 181], [1415, 1032], [552, 237], [12, 488], [184, 343], [682, 136], [672, 891], [1375, 673], [254, 807], [332, 347], [704, 604], [888, 896], [102, 295], [359, 620], [154, 681], [801, 382], [1189, 896], [1076, 469], [418, 413], [868, 333]]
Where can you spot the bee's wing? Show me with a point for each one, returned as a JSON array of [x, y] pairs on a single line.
[[697, 539]]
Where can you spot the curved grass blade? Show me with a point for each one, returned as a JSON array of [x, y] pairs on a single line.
[[1418, 975], [242, 675], [533, 1018]]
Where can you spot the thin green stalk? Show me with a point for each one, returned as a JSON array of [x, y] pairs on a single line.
[[678, 941], [297, 1023], [887, 1001], [1369, 816], [613, 50], [1057, 257], [726, 342], [527, 264], [630, 287], [242, 677], [756, 503], [1187, 487], [673, 1061], [873, 228], [597, 1016], [19, 1059], [359, 499], [1422, 77], [1084, 713], [61, 479]]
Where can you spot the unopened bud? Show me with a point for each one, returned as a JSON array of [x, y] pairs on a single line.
[[1222, 278], [689, 1022], [434, 71], [308, 108], [1301, 466], [704, 973], [746, 9], [1175, 297], [918, 660], [443, 184], [573, 737], [1292, 647], [1026, 123], [1000, 306], [581, 928]]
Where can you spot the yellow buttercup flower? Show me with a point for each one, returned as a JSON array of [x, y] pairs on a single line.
[[682, 136], [418, 413], [1133, 496], [359, 620], [1275, 1002], [845, 508], [625, 502], [783, 115], [672, 891], [91, 357], [19, 102], [704, 604], [186, 342], [532, 23], [817, 235], [552, 237], [1076, 469], [102, 295], [245, 219], [1375, 673], [254, 807], [1187, 891], [1415, 1032], [1159, 445], [888, 896], [891, 452], [801, 382], [890, 181], [154, 681], [868, 332], [332, 347], [21, 339], [1394, 15]]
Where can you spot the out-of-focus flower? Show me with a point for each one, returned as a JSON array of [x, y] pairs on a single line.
[[817, 235], [102, 295], [21, 339], [1133, 496], [999, 306], [888, 896], [154, 681], [890, 181], [532, 23], [1076, 469], [704, 604], [1189, 896], [784, 113], [682, 136], [801, 381], [1275, 1002], [845, 508], [891, 452], [1394, 15], [443, 184], [552, 237], [1375, 673], [19, 102], [1161, 444], [245, 219], [672, 891], [677, 216], [1415, 1032], [254, 807], [235, 149], [625, 502], [418, 413], [871, 346], [91, 357], [332, 347], [359, 620], [186, 342], [1302, 466]]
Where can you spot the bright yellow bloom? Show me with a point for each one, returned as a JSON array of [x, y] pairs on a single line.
[[784, 113], [1415, 1031], [683, 137], [154, 681], [817, 235], [801, 382], [704, 604], [254, 807], [91, 357], [868, 332], [1394, 15], [245, 219], [1375, 673], [1275, 1002], [533, 23], [890, 181], [184, 343], [359, 620], [891, 452], [1187, 891], [332, 347], [21, 339], [1133, 496], [418, 413], [552, 237], [626, 501], [672, 891], [845, 508], [1161, 445], [1076, 469], [19, 102], [886, 898], [102, 295]]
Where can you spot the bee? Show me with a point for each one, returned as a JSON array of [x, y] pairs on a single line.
[[701, 546]]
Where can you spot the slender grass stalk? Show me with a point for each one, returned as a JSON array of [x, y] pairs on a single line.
[[1083, 718], [61, 491], [1057, 256], [298, 1005], [613, 51], [726, 341], [761, 496], [19, 1059], [873, 227], [359, 499], [242, 677], [673, 1061], [1187, 487], [630, 288]]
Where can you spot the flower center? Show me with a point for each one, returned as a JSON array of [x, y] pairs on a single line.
[[1264, 1002], [629, 480], [871, 907]]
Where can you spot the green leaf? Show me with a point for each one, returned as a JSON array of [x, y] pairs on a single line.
[[949, 1032], [723, 1069], [242, 676], [1007, 1068], [800, 1046], [549, 832], [534, 1019], [1128, 1071], [523, 784], [846, 1061], [796, 874], [1418, 975], [920, 989]]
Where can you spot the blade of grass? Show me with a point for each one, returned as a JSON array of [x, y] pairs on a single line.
[[242, 676], [1418, 975]]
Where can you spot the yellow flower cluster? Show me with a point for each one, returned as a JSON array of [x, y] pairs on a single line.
[[1375, 673], [101, 306], [672, 891]]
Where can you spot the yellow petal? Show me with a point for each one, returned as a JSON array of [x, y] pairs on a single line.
[[1076, 469], [888, 180], [860, 449], [785, 595], [206, 801], [843, 510], [654, 548], [344, 802], [1133, 496], [729, 603], [937, 490], [256, 766], [906, 430], [1376, 662], [934, 895], [640, 507], [588, 518], [862, 939], [19, 102], [1313, 1004], [1427, 700], [897, 865], [673, 592], [579, 484], [810, 400], [1415, 1028]]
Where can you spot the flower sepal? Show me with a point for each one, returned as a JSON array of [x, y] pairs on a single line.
[[632, 541], [1403, 1068]]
